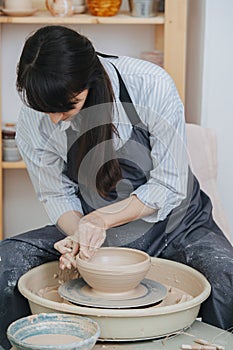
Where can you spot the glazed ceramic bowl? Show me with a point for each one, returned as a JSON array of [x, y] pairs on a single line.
[[53, 331], [114, 270], [11, 154]]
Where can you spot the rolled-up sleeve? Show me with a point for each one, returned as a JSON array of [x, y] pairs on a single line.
[[45, 154], [166, 186]]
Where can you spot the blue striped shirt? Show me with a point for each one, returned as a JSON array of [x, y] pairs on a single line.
[[43, 145]]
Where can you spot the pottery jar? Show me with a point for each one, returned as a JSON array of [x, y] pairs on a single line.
[[10, 152], [9, 131], [60, 8], [103, 8], [143, 8], [79, 6]]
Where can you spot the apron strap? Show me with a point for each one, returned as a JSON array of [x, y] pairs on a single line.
[[124, 95], [127, 103], [104, 55]]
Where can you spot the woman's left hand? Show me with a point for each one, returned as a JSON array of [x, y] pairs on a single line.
[[91, 234]]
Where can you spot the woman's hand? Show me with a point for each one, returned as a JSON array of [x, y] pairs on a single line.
[[90, 235], [89, 232], [68, 249]]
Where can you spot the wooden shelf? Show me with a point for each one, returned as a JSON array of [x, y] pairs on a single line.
[[44, 17], [14, 165]]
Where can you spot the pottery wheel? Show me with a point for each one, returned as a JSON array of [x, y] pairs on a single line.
[[147, 293]]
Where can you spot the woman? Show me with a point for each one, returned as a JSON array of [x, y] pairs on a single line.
[[103, 138]]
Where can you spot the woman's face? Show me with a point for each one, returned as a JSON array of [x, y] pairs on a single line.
[[67, 116]]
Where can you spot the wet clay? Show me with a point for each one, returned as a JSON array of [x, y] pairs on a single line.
[[52, 339], [174, 296], [114, 269]]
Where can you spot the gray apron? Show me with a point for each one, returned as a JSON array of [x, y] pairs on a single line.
[[188, 235], [149, 237]]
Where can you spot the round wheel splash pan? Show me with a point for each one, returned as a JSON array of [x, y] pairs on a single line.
[[131, 324]]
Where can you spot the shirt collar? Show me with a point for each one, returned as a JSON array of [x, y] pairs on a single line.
[[64, 125]]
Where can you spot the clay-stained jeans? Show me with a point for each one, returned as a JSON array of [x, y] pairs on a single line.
[[211, 254], [18, 255]]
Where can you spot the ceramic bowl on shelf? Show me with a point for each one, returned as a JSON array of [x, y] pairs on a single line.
[[9, 143], [19, 8], [53, 331], [11, 154], [79, 6], [19, 12], [17, 5], [60, 8], [114, 269]]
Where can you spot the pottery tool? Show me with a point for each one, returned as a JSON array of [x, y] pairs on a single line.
[[202, 345], [198, 347], [205, 342]]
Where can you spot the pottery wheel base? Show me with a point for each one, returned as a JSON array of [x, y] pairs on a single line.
[[186, 290], [140, 340], [147, 293]]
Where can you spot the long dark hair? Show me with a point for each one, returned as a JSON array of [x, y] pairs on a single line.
[[56, 64]]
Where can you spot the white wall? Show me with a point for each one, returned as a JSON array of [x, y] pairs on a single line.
[[195, 43], [217, 106], [210, 83]]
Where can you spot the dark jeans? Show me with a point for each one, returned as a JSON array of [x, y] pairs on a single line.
[[208, 252], [18, 255], [211, 254]]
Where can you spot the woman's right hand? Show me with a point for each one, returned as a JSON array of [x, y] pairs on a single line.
[[68, 248]]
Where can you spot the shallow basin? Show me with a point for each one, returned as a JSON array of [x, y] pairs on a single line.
[[187, 289], [53, 332]]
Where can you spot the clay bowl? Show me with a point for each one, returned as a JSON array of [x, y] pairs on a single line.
[[53, 331], [114, 270]]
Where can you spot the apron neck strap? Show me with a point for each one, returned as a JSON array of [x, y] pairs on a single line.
[[127, 103]]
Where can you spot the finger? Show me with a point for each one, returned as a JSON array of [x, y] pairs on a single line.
[[81, 256], [75, 249], [91, 253], [84, 253], [71, 259], [65, 250], [63, 246], [68, 260], [64, 263], [97, 241]]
